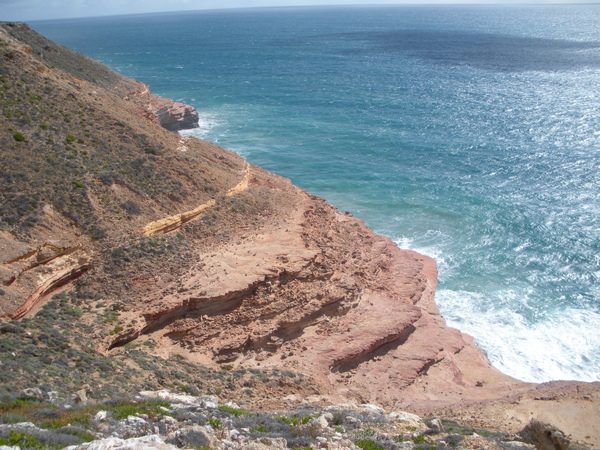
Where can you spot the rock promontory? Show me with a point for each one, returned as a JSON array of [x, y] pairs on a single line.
[[173, 116]]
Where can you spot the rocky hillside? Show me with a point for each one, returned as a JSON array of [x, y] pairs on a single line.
[[132, 258], [162, 420]]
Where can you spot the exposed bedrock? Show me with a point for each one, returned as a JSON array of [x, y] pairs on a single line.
[[31, 274], [177, 116], [173, 116], [316, 291]]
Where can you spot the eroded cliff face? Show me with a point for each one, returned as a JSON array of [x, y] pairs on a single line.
[[312, 290], [202, 252], [189, 250]]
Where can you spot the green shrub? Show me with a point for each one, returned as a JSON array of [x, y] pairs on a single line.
[[13, 417], [12, 404], [151, 407], [47, 440], [338, 418], [421, 439], [75, 416], [366, 433], [18, 137], [303, 420], [82, 434], [124, 411], [23, 440], [368, 444], [234, 411]]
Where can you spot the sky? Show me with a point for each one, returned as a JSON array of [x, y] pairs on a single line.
[[27, 10]]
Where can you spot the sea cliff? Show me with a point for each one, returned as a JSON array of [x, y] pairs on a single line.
[[125, 245]]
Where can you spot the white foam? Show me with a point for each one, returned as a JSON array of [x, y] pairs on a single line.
[[206, 122], [519, 339], [561, 345], [429, 244]]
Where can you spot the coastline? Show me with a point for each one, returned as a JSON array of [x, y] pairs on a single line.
[[297, 284]]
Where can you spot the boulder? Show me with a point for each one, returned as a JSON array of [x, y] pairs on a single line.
[[32, 392], [193, 437], [170, 397], [436, 426], [140, 443], [544, 436], [177, 116], [406, 418]]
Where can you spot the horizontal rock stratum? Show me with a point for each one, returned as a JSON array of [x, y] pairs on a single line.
[[176, 246]]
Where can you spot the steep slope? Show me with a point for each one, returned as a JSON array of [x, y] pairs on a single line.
[[169, 114], [83, 168], [186, 249]]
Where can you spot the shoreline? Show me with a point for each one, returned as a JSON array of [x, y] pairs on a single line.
[[269, 277]]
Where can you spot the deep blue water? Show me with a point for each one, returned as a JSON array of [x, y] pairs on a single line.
[[469, 133]]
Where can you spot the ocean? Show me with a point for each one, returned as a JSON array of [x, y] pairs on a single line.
[[468, 133]]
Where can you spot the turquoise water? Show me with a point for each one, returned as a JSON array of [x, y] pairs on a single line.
[[468, 133]]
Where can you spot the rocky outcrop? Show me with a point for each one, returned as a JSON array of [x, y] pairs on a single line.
[[176, 116], [170, 115], [172, 223], [314, 290], [184, 421], [545, 436], [36, 272]]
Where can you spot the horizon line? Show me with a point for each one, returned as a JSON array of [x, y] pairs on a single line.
[[327, 5]]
